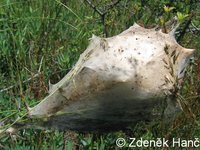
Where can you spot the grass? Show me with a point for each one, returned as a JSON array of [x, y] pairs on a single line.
[[41, 40]]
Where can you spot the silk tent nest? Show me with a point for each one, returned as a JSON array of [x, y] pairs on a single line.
[[117, 81]]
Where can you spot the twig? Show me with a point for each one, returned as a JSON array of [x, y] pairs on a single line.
[[103, 13], [95, 8], [110, 6]]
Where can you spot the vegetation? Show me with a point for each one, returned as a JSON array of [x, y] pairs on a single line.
[[40, 40]]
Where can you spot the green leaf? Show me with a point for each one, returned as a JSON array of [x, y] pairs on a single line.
[[181, 16], [168, 9]]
